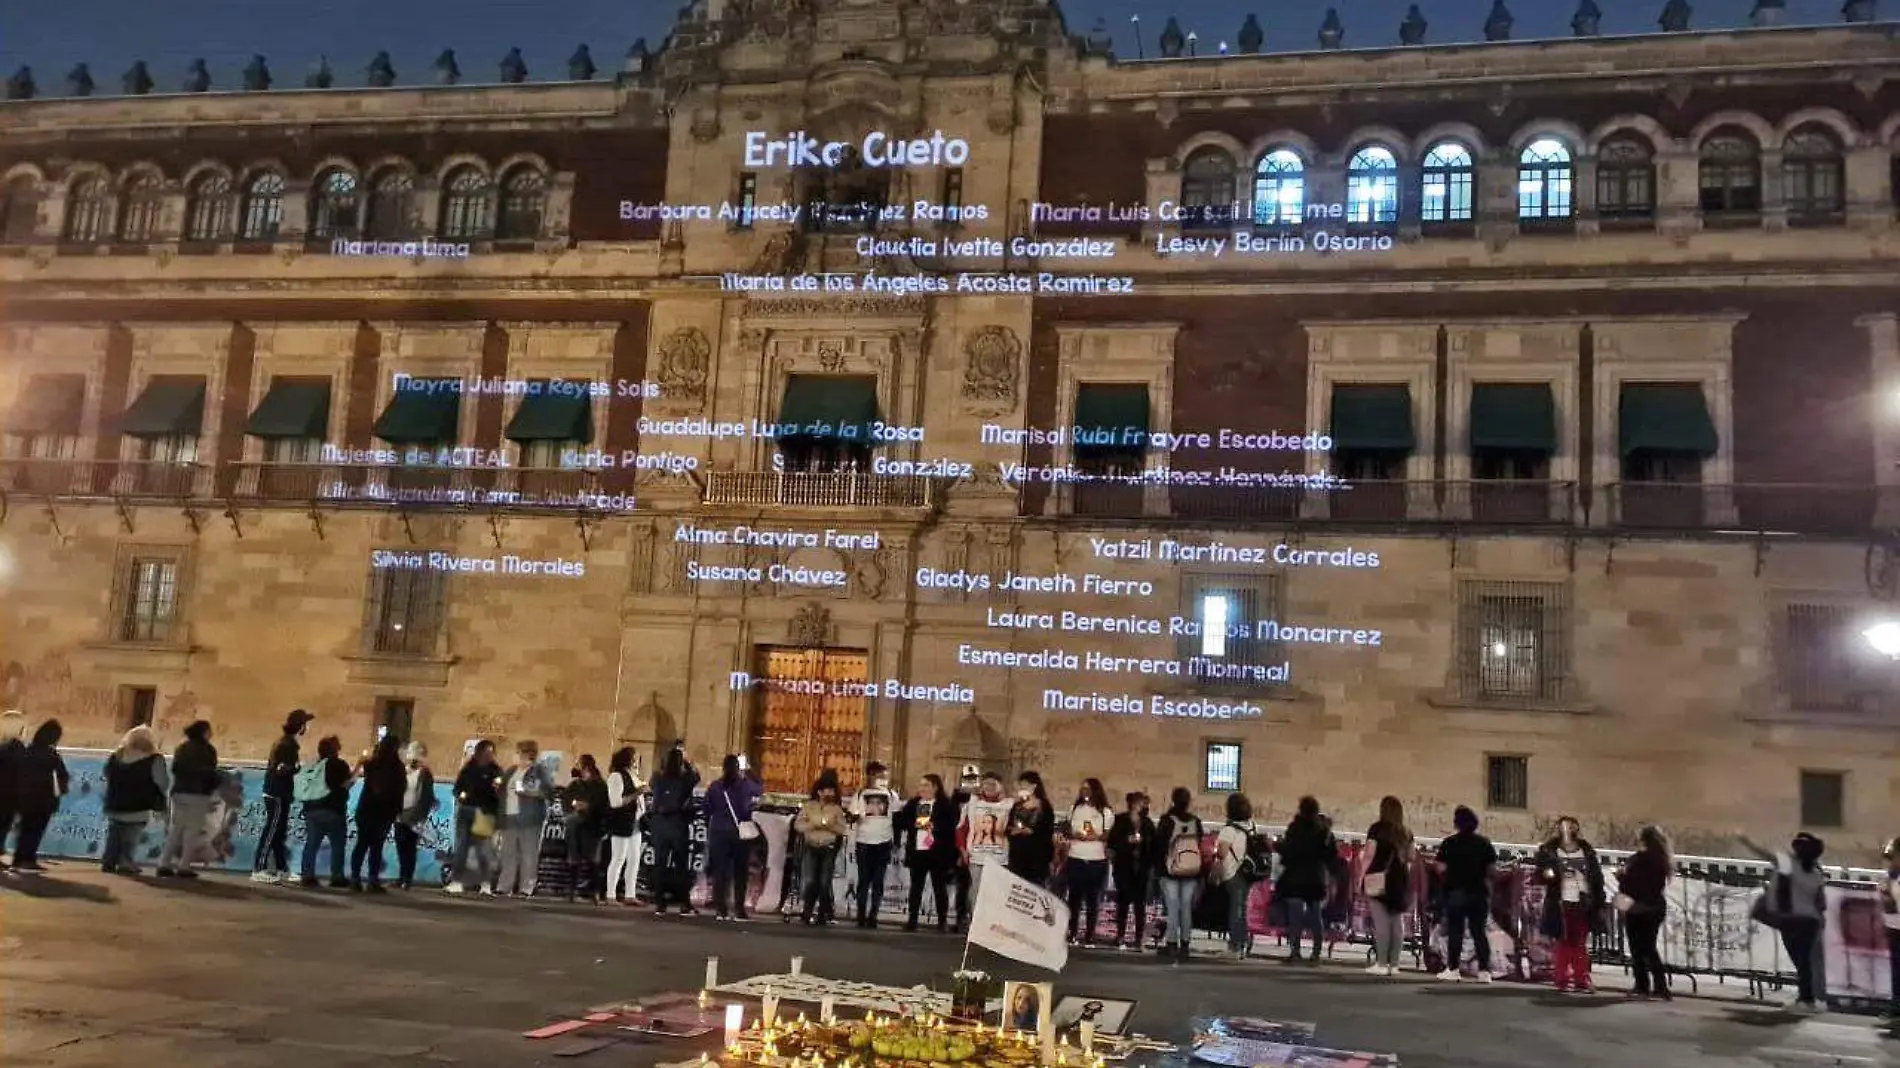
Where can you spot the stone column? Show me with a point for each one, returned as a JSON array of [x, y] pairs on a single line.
[[1678, 192], [1164, 183], [295, 222], [1869, 183], [1496, 209], [1883, 351], [1774, 205], [1583, 194]]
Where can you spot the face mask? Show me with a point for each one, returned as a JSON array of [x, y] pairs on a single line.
[[881, 783], [1025, 793]]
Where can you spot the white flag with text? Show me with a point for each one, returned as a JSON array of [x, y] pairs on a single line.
[[1020, 920]]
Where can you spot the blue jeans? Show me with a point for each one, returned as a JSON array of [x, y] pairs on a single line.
[[1301, 917], [467, 846], [320, 824], [1177, 901], [1239, 938], [816, 867]]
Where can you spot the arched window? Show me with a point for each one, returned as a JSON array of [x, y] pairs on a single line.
[[140, 202], [468, 204], [20, 210], [1279, 189], [390, 199], [208, 208], [1544, 180], [263, 208], [1207, 190], [1372, 187], [1811, 169], [333, 206], [1626, 179], [1446, 184], [88, 211], [1730, 174], [524, 200]]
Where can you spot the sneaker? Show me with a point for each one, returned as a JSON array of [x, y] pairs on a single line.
[[266, 876], [661, 911], [1449, 975], [376, 888], [455, 888], [1378, 969], [1483, 977], [488, 890], [689, 911], [309, 882]]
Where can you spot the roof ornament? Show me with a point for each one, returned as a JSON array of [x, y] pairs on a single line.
[[1497, 25], [1251, 35], [320, 76], [514, 69], [137, 80], [1675, 16], [79, 81], [447, 72], [638, 57], [1767, 13], [1588, 21], [20, 86], [580, 65], [257, 75], [1860, 10], [382, 72], [1172, 39], [1332, 32], [197, 77], [1412, 30]]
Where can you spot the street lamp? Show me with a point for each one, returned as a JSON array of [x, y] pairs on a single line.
[[1884, 637]]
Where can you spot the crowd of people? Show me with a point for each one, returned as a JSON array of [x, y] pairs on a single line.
[[947, 839]]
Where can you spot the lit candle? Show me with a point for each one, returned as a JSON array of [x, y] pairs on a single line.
[[712, 972], [828, 1008], [798, 966], [735, 1020], [1088, 1036], [768, 1008], [705, 1000]]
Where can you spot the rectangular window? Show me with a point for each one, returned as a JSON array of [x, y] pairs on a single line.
[[1823, 799], [1820, 667], [171, 449], [404, 612], [292, 450], [138, 705], [1216, 610], [1660, 466], [747, 199], [44, 446], [952, 199], [1507, 782], [148, 600], [1513, 641], [397, 716], [1222, 767], [1234, 643], [544, 455]]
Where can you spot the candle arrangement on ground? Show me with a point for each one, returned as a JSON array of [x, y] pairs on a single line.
[[902, 1041]]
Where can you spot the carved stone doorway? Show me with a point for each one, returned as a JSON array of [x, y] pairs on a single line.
[[810, 710]]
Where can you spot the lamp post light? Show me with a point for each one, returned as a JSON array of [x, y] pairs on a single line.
[[1884, 637]]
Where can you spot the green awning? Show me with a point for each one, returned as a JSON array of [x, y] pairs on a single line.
[[822, 407], [424, 412], [562, 411], [1521, 416], [1665, 417], [292, 408], [171, 406], [50, 404], [1373, 417], [1111, 415]]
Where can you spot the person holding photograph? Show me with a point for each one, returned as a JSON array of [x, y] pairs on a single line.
[[872, 834], [983, 844]]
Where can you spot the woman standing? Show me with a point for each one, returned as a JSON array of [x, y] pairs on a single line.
[[477, 810], [929, 825], [623, 805], [1232, 847], [669, 814], [1307, 852], [1573, 901], [136, 786], [1640, 898], [1179, 837], [1131, 847], [820, 823], [1387, 884], [586, 821], [43, 781], [1087, 866], [1032, 831], [324, 819], [730, 833], [1798, 902], [418, 804], [385, 781]]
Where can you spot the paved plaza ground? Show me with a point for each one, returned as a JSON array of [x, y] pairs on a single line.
[[101, 971]]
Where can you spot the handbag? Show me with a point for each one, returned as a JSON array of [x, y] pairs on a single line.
[[749, 830], [483, 825]]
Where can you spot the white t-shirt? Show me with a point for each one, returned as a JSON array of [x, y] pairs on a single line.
[[987, 838], [873, 809], [1092, 822], [1230, 848], [1575, 875]]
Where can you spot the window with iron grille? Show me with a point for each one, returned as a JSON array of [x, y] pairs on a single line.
[[1513, 641], [1221, 771], [1820, 668], [146, 596], [1235, 619], [404, 612], [1507, 781], [1823, 799], [748, 200]]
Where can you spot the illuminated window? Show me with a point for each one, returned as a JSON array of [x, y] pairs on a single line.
[[1207, 190], [1543, 180], [524, 200], [1216, 610], [208, 208], [1372, 187], [390, 217], [748, 200], [404, 612], [952, 198], [88, 211], [1222, 764], [1279, 189], [1626, 179], [333, 206], [1446, 184], [263, 208], [468, 204], [1513, 641], [1811, 169], [1730, 175]]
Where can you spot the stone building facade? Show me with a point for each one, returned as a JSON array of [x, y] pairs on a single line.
[[1601, 334]]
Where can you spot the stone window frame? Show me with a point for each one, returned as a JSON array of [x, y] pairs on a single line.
[[524, 365], [784, 352], [1713, 370], [127, 558], [1781, 705], [267, 364], [58, 356], [1562, 688], [1405, 353], [1491, 766], [398, 356], [376, 593], [1240, 764], [212, 366], [1466, 368], [1080, 360], [1843, 782], [1270, 593]]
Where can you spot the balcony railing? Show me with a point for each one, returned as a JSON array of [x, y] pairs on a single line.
[[808, 489], [117, 479]]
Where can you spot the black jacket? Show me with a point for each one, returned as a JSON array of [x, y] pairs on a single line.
[[673, 795], [280, 774], [943, 834], [1123, 853], [384, 782], [1032, 855], [43, 779], [1308, 852], [12, 758], [593, 794], [476, 786], [195, 768], [131, 786], [620, 821], [1550, 873], [1391, 856]]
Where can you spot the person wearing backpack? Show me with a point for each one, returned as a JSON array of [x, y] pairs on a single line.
[[1087, 867], [1237, 865], [1179, 834], [1386, 884], [324, 788], [1307, 853], [1797, 904]]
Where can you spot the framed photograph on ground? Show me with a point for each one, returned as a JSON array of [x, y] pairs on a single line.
[[1109, 1015], [1026, 1007]]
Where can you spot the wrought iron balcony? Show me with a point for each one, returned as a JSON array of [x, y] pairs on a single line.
[[121, 480], [811, 489]]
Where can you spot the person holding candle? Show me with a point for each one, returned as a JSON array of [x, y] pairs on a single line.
[[1131, 853], [477, 806], [981, 834], [1032, 831], [1087, 866], [623, 809], [820, 824], [929, 822]]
